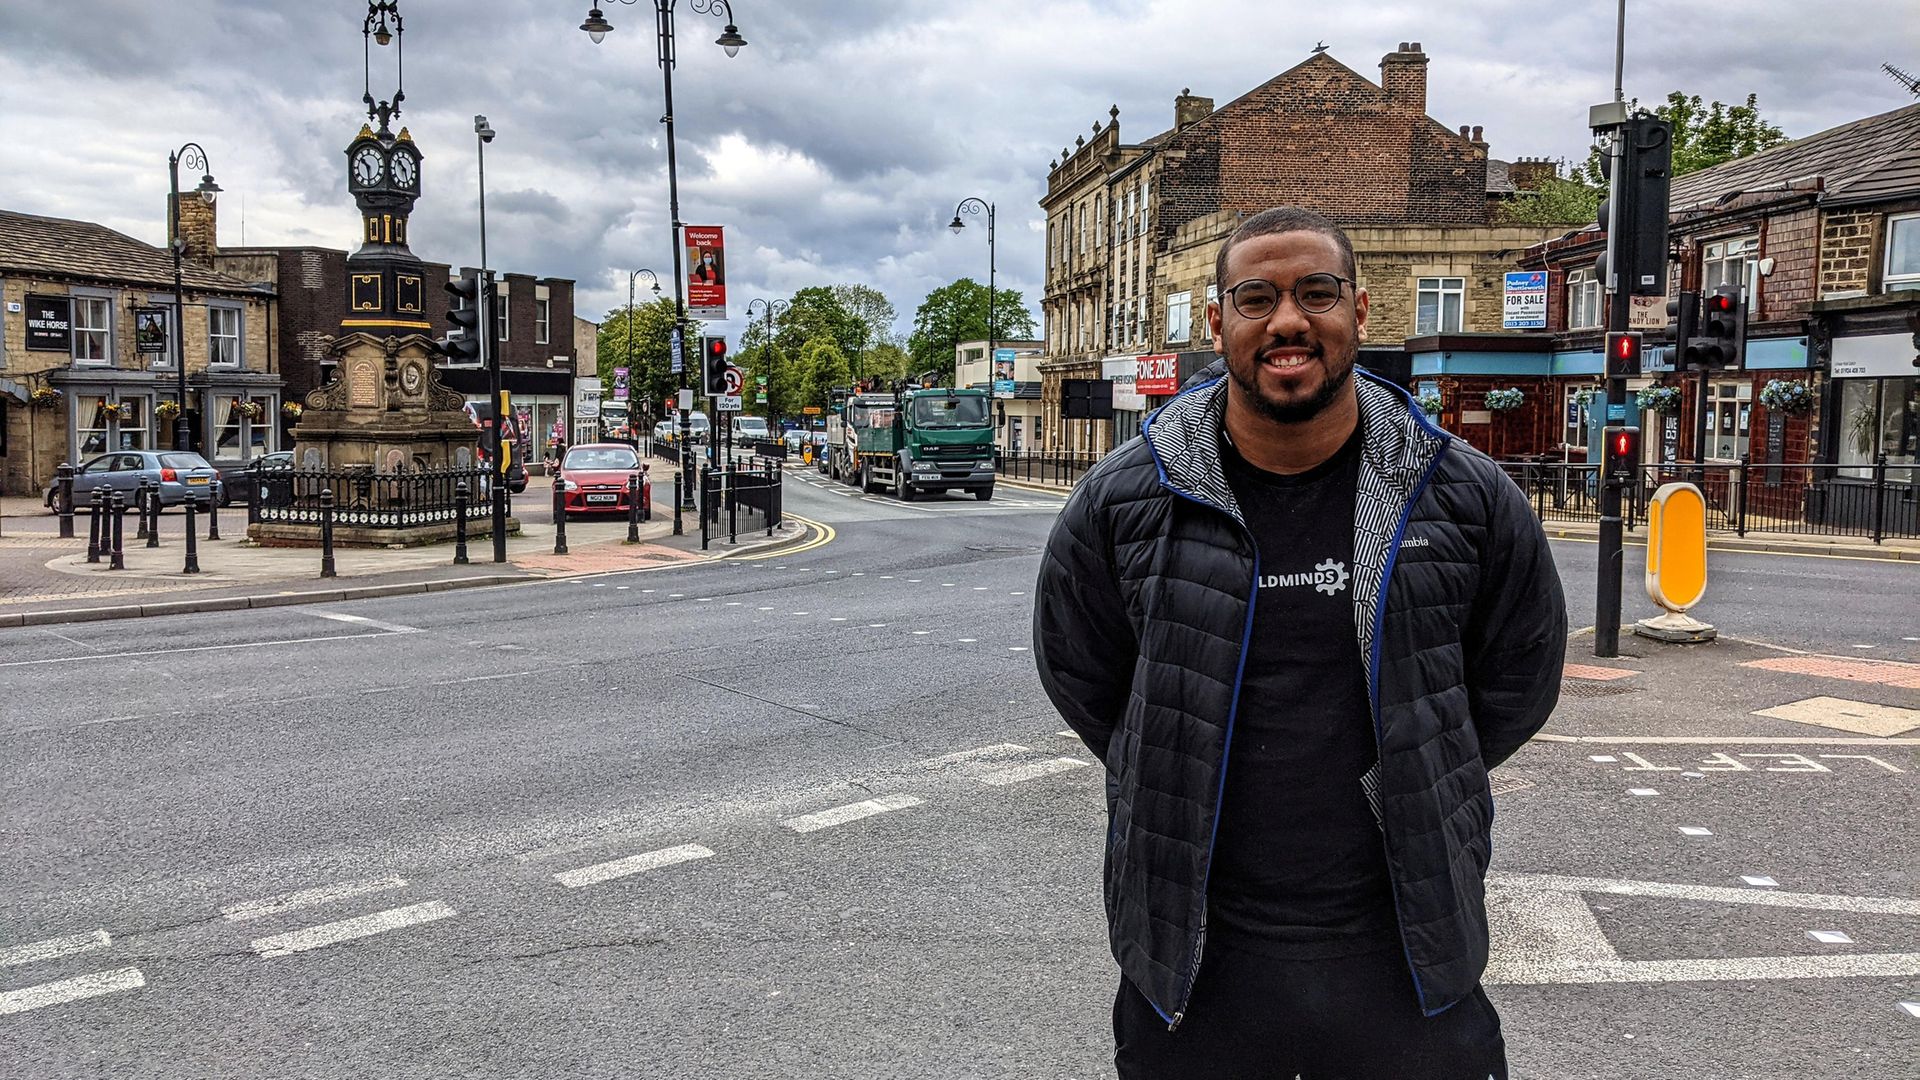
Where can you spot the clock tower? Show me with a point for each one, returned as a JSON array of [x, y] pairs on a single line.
[[386, 282]]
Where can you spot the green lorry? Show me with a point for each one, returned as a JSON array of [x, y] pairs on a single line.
[[916, 440]]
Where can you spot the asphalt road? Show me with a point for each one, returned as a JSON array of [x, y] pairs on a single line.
[[810, 815]]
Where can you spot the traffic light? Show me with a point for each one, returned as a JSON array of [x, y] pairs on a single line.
[[1622, 448], [1639, 185], [1722, 341], [713, 365], [463, 344], [1684, 310], [1623, 354]]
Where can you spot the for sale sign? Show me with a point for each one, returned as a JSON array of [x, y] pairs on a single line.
[[1526, 306]]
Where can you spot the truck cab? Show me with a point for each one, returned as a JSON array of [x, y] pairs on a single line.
[[919, 440]]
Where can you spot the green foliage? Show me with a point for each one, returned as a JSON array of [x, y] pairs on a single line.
[[1703, 135], [651, 355], [823, 365], [885, 362], [1559, 201], [955, 313]]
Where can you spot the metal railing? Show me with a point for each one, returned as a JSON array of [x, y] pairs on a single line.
[[749, 490], [366, 499], [1873, 501], [1043, 468]]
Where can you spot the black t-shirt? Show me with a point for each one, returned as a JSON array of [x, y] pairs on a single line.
[[1298, 865]]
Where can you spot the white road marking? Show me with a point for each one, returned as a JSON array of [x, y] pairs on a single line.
[[838, 618], [621, 588], [1602, 757], [1860, 717], [633, 864], [1694, 830], [766, 609], [1641, 791], [1719, 740], [977, 756], [324, 894], [840, 815], [1017, 648], [359, 620], [1032, 771], [380, 922], [946, 584], [733, 603], [1724, 894], [54, 948], [875, 625], [968, 640], [1912, 1007], [1830, 937], [1759, 881], [802, 613], [176, 650], [59, 993], [599, 584]]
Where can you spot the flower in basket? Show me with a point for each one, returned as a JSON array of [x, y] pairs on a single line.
[[46, 397], [1429, 404], [291, 410], [1505, 400], [249, 409], [1662, 399], [167, 410], [113, 410], [1586, 396], [1787, 395]]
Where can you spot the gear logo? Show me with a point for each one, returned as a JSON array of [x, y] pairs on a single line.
[[1333, 576]]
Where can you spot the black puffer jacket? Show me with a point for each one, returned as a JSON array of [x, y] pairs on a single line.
[[1142, 613]]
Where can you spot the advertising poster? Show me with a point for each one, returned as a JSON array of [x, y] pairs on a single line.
[[706, 273], [1526, 306], [619, 384], [1003, 360], [1158, 375]]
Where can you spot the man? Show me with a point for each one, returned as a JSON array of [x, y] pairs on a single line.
[[1299, 624]]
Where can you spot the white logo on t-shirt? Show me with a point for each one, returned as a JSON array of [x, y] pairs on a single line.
[[1327, 576]]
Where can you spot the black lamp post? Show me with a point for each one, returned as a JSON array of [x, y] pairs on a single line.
[[772, 311], [597, 28], [974, 206], [196, 160], [653, 280]]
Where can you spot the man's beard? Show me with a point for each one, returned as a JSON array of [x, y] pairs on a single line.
[[1290, 412]]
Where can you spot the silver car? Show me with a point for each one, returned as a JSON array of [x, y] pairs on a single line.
[[181, 475]]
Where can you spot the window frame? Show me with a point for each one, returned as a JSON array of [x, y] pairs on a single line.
[[1890, 281], [238, 337], [502, 312], [1441, 290], [81, 300], [1584, 304], [542, 319], [1181, 302], [1718, 253]]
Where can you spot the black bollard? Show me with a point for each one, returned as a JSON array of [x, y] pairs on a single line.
[[678, 529], [96, 508], [213, 515], [153, 515], [193, 551], [119, 525], [326, 533], [140, 508], [65, 487], [633, 508], [559, 515], [462, 497], [646, 493]]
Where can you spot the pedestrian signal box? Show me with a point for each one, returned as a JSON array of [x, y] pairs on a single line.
[[1622, 446], [1623, 354]]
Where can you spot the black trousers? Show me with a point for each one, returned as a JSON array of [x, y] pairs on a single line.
[[1352, 1018]]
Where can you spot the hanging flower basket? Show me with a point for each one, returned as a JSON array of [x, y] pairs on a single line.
[[167, 410], [1429, 404], [291, 410], [113, 410], [1505, 400], [45, 397], [1787, 396], [1586, 396], [1661, 399], [250, 409]]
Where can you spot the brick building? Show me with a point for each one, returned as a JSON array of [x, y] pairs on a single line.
[[1133, 229], [87, 348]]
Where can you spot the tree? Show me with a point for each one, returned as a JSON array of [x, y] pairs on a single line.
[[1559, 200], [823, 366], [885, 362], [955, 313], [650, 379], [875, 316]]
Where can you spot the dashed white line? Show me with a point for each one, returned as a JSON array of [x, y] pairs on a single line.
[[1641, 791], [380, 922], [632, 864], [841, 815], [875, 625], [58, 993], [324, 894], [1830, 937], [1694, 830], [54, 948], [362, 620], [1032, 771], [1759, 881]]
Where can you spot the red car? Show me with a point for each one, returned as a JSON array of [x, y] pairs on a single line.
[[595, 477]]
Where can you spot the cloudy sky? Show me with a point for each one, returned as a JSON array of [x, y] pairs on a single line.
[[835, 146]]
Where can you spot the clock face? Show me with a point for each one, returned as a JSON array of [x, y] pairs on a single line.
[[404, 170], [367, 167]]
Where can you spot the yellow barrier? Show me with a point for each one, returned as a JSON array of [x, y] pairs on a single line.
[[1676, 563]]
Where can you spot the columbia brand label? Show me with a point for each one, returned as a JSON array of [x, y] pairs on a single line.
[[1327, 576], [1415, 541]]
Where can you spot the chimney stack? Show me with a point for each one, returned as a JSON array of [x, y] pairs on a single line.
[[1188, 109], [1403, 75], [1529, 174], [197, 226]]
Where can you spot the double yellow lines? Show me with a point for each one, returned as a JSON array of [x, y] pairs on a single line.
[[823, 535]]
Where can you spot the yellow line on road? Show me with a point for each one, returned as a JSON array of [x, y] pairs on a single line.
[[825, 537]]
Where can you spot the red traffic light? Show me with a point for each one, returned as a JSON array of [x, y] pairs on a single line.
[[1623, 444], [1720, 304], [716, 348], [1623, 353]]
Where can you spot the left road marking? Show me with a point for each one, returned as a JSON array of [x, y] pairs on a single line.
[[58, 993], [54, 948], [841, 815], [380, 922]]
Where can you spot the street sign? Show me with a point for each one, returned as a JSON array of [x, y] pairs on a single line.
[[735, 380], [679, 360], [811, 410], [1526, 301], [1647, 313], [727, 403]]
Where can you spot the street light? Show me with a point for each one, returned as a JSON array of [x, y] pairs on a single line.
[[653, 280], [772, 311], [973, 206], [489, 344], [597, 28], [196, 160]]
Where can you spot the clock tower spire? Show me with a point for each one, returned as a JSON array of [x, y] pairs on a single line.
[[386, 292]]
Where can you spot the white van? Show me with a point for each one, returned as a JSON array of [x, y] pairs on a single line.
[[748, 429]]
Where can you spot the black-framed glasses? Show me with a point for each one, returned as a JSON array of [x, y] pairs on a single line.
[[1316, 294]]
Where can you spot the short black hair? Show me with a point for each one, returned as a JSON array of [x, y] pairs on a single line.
[[1284, 219]]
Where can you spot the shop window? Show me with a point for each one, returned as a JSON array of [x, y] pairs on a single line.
[[1179, 316], [1880, 416], [1903, 253], [244, 428], [1583, 301], [1438, 304], [92, 330], [1577, 405], [1729, 407]]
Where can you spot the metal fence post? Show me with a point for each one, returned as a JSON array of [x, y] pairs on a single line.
[[678, 529], [253, 499], [705, 477], [634, 490], [119, 561], [559, 515], [1740, 522], [462, 499], [213, 515], [326, 533], [193, 551], [97, 505], [65, 485], [1879, 497]]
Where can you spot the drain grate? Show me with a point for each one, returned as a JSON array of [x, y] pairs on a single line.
[[1571, 688]]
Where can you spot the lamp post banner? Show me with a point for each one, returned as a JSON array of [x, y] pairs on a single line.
[[706, 272]]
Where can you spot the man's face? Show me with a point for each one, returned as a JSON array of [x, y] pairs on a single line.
[[1292, 364]]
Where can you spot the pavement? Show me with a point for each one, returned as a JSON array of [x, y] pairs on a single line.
[[45, 579]]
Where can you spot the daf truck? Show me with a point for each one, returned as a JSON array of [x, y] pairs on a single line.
[[913, 441]]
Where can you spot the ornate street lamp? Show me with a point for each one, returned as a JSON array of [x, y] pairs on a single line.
[[772, 311], [973, 206], [654, 281], [597, 28], [195, 160]]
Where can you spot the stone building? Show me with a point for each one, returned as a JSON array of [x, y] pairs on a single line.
[[1133, 228], [88, 340]]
